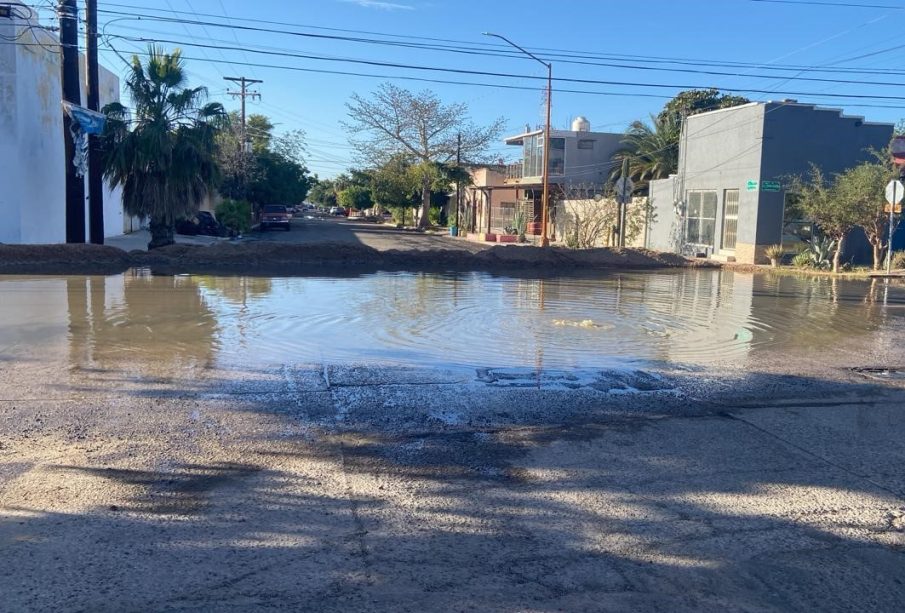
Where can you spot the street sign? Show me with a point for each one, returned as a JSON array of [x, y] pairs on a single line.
[[895, 191], [624, 188], [897, 208], [752, 185], [770, 186]]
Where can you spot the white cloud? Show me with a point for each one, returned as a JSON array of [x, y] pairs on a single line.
[[380, 4]]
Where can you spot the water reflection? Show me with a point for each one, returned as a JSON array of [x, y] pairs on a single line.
[[138, 320], [694, 316]]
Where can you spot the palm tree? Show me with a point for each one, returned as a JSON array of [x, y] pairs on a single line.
[[651, 149], [163, 153]]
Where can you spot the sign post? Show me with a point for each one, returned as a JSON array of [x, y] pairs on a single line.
[[895, 192], [624, 188]]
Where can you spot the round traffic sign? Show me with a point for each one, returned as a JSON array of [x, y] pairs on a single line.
[[895, 192], [624, 188]]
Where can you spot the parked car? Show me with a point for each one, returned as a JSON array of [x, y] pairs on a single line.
[[203, 223], [275, 216], [338, 210]]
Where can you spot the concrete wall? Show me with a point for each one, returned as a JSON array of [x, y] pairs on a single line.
[[32, 201], [722, 150], [796, 135], [663, 232], [589, 165]]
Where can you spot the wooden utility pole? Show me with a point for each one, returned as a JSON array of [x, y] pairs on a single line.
[[242, 94], [92, 87], [458, 179], [545, 205], [69, 75]]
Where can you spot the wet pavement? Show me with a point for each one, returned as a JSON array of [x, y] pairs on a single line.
[[154, 458]]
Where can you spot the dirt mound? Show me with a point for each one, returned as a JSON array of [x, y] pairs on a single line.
[[263, 258], [62, 259]]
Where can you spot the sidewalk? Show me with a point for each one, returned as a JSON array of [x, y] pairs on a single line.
[[140, 239]]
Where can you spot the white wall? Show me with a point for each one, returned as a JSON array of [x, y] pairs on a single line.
[[32, 187]]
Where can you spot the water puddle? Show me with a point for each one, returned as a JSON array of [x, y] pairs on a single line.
[[559, 326]]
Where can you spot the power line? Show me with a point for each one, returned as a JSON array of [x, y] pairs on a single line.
[[497, 53], [635, 67], [831, 4], [383, 64]]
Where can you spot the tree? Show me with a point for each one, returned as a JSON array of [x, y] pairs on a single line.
[[694, 101], [163, 154], [394, 121], [280, 181], [355, 197], [272, 172], [863, 188], [826, 203], [259, 129], [652, 150], [394, 184], [323, 193]]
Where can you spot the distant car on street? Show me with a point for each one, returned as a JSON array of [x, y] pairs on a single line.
[[275, 216], [204, 223], [338, 210]]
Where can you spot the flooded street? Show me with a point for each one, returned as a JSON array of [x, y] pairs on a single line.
[[688, 317], [684, 440]]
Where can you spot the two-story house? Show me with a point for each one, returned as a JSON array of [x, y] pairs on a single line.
[[579, 160]]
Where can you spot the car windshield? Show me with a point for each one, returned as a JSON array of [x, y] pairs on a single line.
[[274, 208]]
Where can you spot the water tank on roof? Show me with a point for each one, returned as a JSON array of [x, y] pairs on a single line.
[[581, 124]]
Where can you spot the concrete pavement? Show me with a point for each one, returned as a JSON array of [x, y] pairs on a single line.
[[342, 487]]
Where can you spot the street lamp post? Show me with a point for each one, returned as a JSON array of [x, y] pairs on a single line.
[[544, 241]]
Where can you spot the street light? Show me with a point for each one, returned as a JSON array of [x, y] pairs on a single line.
[[544, 241]]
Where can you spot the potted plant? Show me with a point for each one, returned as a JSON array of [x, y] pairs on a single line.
[[774, 253]]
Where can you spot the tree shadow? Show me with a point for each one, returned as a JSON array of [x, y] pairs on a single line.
[[349, 488]]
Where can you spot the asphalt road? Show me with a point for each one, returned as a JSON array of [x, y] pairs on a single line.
[[311, 230], [168, 485]]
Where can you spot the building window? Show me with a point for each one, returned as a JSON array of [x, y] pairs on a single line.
[[557, 156], [534, 156], [730, 218], [701, 220], [585, 143]]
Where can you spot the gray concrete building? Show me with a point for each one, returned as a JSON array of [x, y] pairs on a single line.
[[727, 200], [579, 160]]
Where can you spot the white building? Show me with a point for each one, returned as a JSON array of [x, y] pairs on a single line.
[[33, 184]]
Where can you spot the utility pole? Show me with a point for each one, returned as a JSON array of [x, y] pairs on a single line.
[[458, 179], [243, 93], [92, 87], [69, 76], [544, 241]]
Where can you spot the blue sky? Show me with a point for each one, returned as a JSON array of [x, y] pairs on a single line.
[[751, 31]]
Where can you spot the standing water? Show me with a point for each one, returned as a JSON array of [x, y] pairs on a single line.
[[703, 317]]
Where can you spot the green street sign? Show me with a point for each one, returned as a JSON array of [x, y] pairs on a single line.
[[771, 186], [752, 185]]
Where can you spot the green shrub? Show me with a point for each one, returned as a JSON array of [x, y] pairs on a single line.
[[234, 214], [434, 216], [821, 249], [802, 260], [774, 252], [401, 215]]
